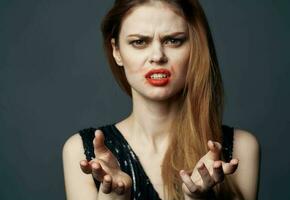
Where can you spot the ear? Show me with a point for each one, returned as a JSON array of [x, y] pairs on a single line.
[[116, 52]]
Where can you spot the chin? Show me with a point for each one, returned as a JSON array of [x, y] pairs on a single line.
[[162, 96], [158, 93]]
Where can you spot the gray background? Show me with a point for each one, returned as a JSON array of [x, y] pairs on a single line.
[[54, 81]]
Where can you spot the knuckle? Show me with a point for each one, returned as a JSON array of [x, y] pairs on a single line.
[[185, 189], [107, 181], [192, 190], [106, 191]]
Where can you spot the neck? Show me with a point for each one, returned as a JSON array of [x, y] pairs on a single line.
[[150, 121]]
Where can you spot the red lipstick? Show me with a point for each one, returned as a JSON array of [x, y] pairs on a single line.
[[158, 77]]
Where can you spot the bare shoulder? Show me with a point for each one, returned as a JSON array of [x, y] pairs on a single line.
[[78, 185], [243, 140], [72, 145], [246, 148], [73, 148]]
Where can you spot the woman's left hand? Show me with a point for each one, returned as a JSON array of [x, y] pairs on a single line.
[[208, 172]]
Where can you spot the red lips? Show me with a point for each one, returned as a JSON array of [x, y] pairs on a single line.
[[160, 81], [158, 71]]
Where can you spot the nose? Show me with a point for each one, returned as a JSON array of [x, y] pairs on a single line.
[[157, 54]]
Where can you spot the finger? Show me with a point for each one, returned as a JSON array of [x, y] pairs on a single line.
[[208, 181], [107, 184], [230, 167], [120, 188], [99, 144], [85, 167], [218, 174], [97, 171], [214, 150], [191, 187], [127, 184]]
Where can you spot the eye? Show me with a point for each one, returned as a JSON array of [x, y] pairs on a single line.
[[138, 43], [174, 41]]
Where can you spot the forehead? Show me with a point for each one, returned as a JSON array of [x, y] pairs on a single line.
[[151, 18]]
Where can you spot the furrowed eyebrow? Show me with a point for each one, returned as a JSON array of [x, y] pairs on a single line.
[[165, 36]]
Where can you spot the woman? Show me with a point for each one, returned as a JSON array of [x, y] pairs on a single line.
[[173, 144]]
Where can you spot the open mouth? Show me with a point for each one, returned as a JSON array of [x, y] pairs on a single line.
[[158, 73], [158, 77]]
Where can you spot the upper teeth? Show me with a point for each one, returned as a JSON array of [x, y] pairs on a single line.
[[157, 76]]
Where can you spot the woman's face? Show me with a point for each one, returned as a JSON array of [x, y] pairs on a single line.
[[153, 37]]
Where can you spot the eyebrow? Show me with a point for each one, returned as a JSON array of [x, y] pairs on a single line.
[[165, 36]]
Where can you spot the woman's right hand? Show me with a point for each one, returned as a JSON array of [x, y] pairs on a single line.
[[105, 168]]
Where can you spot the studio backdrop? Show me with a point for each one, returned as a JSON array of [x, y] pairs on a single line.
[[55, 80]]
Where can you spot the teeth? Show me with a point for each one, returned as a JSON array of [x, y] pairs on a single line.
[[158, 76]]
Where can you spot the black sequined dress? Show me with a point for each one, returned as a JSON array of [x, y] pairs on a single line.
[[142, 188]]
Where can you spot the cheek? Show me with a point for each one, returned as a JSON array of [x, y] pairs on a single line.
[[135, 66], [180, 63], [133, 61]]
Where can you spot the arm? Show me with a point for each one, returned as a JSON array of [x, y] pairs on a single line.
[[247, 149], [78, 185]]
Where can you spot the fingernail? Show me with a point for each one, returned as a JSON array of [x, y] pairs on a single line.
[[201, 165], [96, 132], [217, 165], [182, 172], [107, 179], [94, 165], [235, 161]]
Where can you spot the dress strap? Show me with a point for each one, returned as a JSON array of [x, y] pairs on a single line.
[[227, 142], [88, 136]]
